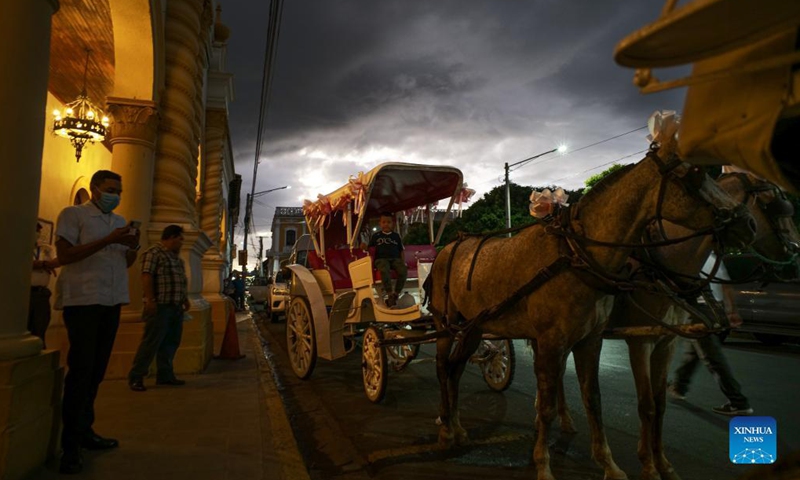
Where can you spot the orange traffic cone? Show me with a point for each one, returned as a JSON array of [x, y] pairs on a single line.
[[230, 342]]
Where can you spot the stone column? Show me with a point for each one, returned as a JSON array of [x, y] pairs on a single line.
[[30, 383], [214, 261], [133, 141], [176, 167]]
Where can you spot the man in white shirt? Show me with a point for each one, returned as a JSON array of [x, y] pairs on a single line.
[[95, 249], [44, 265]]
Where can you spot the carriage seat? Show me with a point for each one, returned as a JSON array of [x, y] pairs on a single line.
[[339, 258]]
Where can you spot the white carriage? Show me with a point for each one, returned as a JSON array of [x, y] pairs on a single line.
[[334, 302]]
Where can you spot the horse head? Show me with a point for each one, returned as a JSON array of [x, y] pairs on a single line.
[[777, 239], [690, 198]]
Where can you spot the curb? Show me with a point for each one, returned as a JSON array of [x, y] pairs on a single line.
[[284, 443]]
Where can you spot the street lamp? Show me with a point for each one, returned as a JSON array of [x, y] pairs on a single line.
[[248, 210], [560, 149]]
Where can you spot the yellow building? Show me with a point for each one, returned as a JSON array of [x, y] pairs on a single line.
[[288, 224], [157, 69]]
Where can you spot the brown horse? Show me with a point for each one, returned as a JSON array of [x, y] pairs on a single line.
[[569, 311], [650, 357]]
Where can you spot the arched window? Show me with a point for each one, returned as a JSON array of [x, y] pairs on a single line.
[[291, 238], [81, 197]]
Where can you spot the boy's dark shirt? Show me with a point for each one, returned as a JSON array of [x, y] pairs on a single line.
[[387, 245]]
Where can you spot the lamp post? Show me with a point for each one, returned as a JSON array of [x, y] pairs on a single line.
[[248, 211], [559, 149]]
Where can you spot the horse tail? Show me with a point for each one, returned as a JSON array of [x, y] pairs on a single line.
[[427, 287]]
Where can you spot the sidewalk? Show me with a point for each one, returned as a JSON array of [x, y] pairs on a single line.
[[228, 423]]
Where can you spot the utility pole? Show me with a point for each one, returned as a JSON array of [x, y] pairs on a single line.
[[261, 256], [560, 149]]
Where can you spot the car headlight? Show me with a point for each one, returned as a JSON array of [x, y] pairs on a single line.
[[280, 291]]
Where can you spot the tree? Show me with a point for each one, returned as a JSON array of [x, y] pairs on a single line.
[[592, 181]]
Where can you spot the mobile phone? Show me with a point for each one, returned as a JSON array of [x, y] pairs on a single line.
[[135, 224]]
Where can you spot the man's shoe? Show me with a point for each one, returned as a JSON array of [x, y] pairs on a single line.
[[71, 463], [174, 382], [732, 411], [96, 442], [137, 385], [674, 393]]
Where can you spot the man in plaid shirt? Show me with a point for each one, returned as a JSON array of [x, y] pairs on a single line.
[[164, 286]]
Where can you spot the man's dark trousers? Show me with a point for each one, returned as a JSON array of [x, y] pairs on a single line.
[[39, 312], [709, 350], [161, 339], [91, 330]]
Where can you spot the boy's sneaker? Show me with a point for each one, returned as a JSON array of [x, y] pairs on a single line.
[[391, 300], [674, 393], [732, 411]]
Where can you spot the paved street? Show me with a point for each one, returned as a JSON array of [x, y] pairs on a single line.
[[342, 434]]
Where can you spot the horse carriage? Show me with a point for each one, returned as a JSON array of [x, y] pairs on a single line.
[[334, 300]]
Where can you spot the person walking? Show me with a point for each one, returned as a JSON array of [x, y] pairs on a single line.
[[238, 291], [709, 350], [166, 299], [44, 265], [95, 248]]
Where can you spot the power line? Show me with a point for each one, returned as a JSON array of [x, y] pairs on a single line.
[[601, 166], [569, 152]]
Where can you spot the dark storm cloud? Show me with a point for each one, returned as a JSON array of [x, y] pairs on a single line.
[[469, 83]]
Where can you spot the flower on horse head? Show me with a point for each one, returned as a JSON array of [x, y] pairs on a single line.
[[663, 126], [544, 203]]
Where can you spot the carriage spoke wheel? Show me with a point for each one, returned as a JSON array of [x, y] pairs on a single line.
[[373, 365], [400, 356], [300, 341], [498, 369]]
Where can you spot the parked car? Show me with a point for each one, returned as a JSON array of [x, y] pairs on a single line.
[[258, 289], [277, 296], [770, 309]]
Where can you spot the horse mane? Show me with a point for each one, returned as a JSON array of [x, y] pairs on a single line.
[[605, 183]]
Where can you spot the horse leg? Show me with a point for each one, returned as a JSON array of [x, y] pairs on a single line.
[[567, 424], [587, 364], [443, 347], [639, 352], [458, 362], [659, 365], [547, 366]]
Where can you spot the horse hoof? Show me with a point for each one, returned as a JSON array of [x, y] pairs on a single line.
[[649, 475], [446, 439], [669, 474], [462, 438], [615, 475]]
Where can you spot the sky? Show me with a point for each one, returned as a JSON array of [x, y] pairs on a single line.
[[468, 83]]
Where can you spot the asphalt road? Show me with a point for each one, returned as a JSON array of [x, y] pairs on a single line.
[[342, 435]]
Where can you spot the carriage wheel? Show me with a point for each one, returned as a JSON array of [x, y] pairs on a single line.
[[498, 369], [300, 341], [373, 365], [400, 356]]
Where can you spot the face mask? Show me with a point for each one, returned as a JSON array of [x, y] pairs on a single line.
[[108, 202]]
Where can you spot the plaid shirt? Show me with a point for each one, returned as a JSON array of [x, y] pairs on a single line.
[[169, 274]]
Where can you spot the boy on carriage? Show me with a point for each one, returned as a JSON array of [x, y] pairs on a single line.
[[389, 256]]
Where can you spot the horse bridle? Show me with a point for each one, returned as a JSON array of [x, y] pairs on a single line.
[[692, 182], [778, 208]]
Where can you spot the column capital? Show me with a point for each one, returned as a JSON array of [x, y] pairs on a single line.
[[132, 121]]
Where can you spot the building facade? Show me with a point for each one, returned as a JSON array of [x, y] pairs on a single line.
[[157, 69], [288, 224]]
